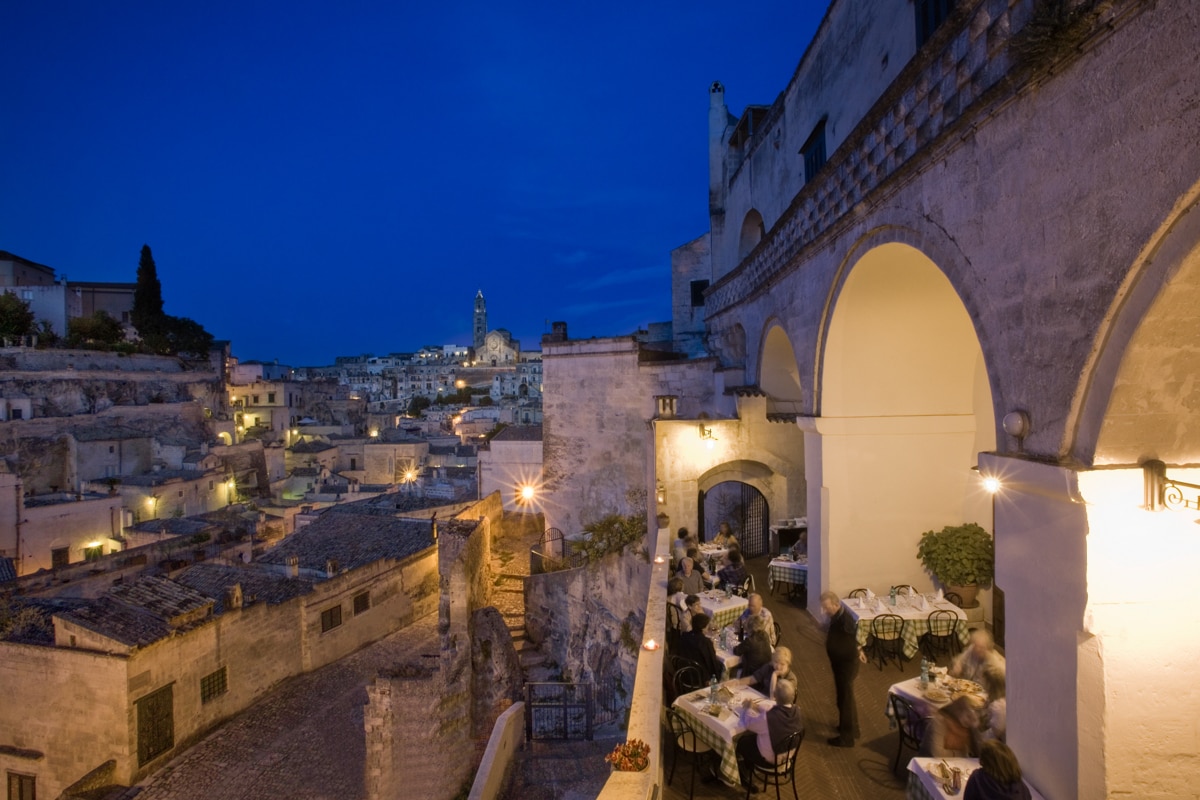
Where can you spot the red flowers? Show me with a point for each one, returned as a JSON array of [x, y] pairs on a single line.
[[631, 756]]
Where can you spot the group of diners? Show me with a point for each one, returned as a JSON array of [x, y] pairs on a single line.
[[695, 570], [960, 727]]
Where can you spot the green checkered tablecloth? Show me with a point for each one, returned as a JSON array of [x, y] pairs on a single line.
[[723, 610], [719, 732], [916, 622], [924, 786], [782, 570]]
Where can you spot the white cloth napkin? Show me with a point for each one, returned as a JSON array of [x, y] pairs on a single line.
[[870, 595], [909, 592], [921, 602], [879, 605], [940, 597]]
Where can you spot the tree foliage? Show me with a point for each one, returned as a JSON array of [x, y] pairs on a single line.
[[147, 314], [100, 328], [417, 405], [16, 318]]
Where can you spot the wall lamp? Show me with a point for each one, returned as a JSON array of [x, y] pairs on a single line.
[[1163, 492], [706, 436], [660, 493]]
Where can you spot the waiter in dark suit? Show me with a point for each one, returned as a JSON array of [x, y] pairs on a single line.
[[841, 644]]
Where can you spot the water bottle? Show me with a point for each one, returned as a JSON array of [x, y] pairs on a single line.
[[924, 673], [893, 595], [725, 639], [712, 691]]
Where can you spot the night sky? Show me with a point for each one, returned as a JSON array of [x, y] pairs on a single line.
[[320, 179]]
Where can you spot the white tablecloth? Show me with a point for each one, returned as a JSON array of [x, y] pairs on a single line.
[[915, 618], [924, 786], [719, 731], [910, 690]]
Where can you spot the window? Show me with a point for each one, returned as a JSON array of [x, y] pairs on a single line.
[[21, 787], [60, 557], [181, 492], [698, 288], [270, 397], [16, 413], [331, 618], [111, 449], [353, 463], [361, 602], [255, 399], [27, 294], [210, 486], [93, 553], [930, 15], [213, 686], [156, 724], [814, 152]]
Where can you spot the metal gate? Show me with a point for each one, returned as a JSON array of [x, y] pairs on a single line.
[[754, 522], [558, 711]]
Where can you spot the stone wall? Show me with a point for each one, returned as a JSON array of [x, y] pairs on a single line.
[[495, 669], [589, 620]]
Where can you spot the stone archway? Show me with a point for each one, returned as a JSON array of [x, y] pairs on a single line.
[[778, 372], [905, 409]]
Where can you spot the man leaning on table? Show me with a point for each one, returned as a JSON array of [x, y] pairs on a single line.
[[755, 608], [770, 728]]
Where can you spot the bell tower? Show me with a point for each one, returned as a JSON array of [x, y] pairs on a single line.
[[480, 321]]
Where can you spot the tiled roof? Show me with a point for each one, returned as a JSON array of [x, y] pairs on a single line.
[[7, 571], [312, 447], [258, 585], [140, 613], [117, 621], [175, 526], [519, 433], [161, 596], [352, 540]]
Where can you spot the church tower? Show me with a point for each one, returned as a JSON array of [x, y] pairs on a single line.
[[480, 322]]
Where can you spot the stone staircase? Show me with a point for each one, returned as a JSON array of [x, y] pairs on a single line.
[[509, 599]]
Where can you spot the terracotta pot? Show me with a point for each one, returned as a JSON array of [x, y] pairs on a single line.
[[664, 521], [968, 594]]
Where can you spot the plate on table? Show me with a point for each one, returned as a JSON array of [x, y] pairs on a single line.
[[936, 695]]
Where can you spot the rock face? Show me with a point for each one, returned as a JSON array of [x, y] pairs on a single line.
[[589, 620], [495, 669]]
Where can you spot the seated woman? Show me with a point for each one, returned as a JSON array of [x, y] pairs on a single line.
[[696, 646], [995, 716], [998, 776], [953, 731], [755, 649], [733, 575], [779, 668], [724, 537]]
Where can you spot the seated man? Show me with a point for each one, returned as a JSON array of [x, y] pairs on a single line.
[[766, 677], [696, 646], [755, 649], [770, 729], [755, 609], [979, 657], [678, 598], [734, 574], [699, 564], [693, 582]]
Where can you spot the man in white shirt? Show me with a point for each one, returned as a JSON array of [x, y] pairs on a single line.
[[770, 729], [755, 608]]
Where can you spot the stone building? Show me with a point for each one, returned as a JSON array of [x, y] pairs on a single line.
[[511, 464], [959, 244], [157, 661]]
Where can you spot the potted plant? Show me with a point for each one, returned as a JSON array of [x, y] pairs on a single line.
[[961, 557], [630, 756]]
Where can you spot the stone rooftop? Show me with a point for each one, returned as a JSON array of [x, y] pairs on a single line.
[[258, 585], [33, 501], [352, 539], [519, 433], [173, 602], [165, 476]]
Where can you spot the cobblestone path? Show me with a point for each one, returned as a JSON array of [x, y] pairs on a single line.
[[303, 740]]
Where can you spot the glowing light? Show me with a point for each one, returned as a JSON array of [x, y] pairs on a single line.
[[374, 433], [410, 476], [526, 493], [150, 501], [650, 644], [991, 484], [92, 544], [710, 444], [659, 560]]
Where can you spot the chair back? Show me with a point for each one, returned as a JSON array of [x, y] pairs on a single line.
[[887, 626], [791, 750], [942, 622], [910, 723], [688, 679], [674, 617], [953, 597], [858, 593], [904, 588], [678, 662], [681, 731], [778, 634]]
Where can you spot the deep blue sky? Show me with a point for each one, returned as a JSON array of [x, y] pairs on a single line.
[[320, 179]]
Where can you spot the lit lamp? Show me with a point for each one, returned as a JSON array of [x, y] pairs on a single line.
[[526, 493], [650, 644], [991, 484], [660, 560], [706, 436], [660, 493]]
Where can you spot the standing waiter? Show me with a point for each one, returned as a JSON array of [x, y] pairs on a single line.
[[841, 644]]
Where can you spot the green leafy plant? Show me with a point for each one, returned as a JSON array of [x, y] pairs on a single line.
[[611, 534], [959, 555]]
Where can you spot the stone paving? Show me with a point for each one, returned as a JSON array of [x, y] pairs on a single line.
[[303, 741]]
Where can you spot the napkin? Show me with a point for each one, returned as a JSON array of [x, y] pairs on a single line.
[[879, 605], [921, 604], [870, 595], [940, 598], [909, 591]]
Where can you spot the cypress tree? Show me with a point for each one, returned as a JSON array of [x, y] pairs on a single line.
[[147, 313]]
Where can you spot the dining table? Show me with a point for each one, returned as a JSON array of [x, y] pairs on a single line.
[[926, 781], [940, 691], [725, 655], [719, 726], [722, 609], [914, 611], [784, 571]]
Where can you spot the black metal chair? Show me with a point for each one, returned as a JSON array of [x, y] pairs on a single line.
[[688, 679], [887, 639], [861, 594], [784, 769], [674, 626], [909, 724], [904, 588], [953, 597], [778, 634], [942, 636], [684, 742]]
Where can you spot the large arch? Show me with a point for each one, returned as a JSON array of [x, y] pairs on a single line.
[[751, 234], [906, 407], [778, 372]]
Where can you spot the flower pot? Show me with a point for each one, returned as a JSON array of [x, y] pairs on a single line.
[[664, 520], [968, 594]]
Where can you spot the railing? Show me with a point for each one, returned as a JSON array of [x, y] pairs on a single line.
[[559, 711]]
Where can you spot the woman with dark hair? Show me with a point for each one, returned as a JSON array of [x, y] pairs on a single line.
[[999, 775], [733, 575], [696, 646]]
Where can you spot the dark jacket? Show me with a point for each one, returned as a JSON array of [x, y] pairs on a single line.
[[842, 642], [696, 646], [981, 786], [755, 652], [733, 575]]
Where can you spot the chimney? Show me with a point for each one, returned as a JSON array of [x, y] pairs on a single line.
[[233, 597], [293, 563], [331, 568]]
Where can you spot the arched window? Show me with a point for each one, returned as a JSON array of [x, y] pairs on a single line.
[[752, 233]]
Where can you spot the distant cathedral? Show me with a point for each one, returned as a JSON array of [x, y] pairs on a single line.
[[497, 348]]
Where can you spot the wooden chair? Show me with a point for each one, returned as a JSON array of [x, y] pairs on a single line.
[[909, 724], [861, 594], [887, 640], [783, 771], [684, 742], [942, 636]]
